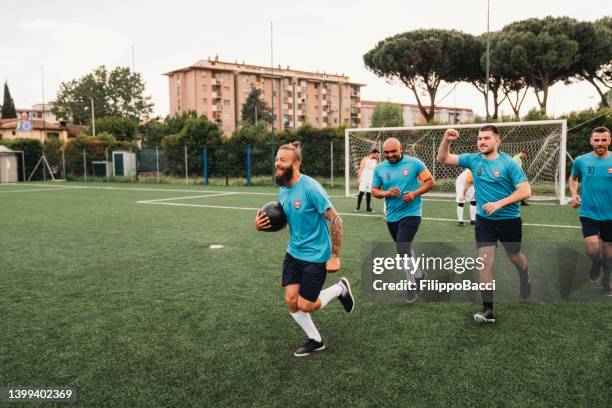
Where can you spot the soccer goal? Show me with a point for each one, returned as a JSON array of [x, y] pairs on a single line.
[[544, 141]]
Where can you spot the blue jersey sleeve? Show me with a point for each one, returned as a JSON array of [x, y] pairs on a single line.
[[517, 175], [319, 198], [465, 160], [377, 180], [576, 172], [420, 166]]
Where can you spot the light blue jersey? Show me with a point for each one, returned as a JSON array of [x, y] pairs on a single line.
[[595, 176], [405, 175], [494, 180], [304, 204]]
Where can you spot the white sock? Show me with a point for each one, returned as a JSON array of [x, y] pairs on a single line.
[[330, 293], [459, 214], [306, 323], [418, 273], [472, 213]]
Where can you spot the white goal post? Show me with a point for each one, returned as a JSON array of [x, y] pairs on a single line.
[[545, 142]]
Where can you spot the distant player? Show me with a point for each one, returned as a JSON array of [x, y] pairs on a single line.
[[401, 180], [310, 253], [500, 184], [592, 173], [518, 158], [365, 175], [464, 188]]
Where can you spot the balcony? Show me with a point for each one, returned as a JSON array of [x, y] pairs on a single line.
[[324, 114], [217, 108], [215, 81], [323, 91], [354, 94], [216, 95], [299, 112]]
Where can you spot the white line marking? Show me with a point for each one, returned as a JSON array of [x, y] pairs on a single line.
[[225, 207], [40, 189], [185, 198]]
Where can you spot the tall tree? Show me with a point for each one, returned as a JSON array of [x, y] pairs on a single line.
[[475, 59], [387, 114], [256, 109], [119, 92], [8, 107], [421, 60], [595, 58], [543, 52]]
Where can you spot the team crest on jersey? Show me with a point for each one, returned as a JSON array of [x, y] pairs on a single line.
[[496, 173], [405, 172], [297, 204]]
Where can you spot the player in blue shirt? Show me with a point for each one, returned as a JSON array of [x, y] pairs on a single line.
[[310, 252], [592, 173], [401, 180], [500, 184]]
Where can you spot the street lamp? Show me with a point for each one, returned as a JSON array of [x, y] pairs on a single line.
[[93, 118]]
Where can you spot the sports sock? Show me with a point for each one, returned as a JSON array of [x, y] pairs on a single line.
[[305, 322], [359, 197], [460, 212], [473, 211], [368, 200], [487, 299], [330, 293]]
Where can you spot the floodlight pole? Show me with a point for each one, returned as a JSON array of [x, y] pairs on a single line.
[[272, 141], [93, 118], [488, 55]]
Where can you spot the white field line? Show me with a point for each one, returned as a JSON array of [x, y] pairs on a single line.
[[184, 198], [41, 189], [225, 207], [171, 190]]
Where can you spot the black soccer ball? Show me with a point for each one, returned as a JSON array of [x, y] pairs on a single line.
[[277, 216]]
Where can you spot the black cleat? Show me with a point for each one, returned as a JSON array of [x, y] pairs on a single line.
[[472, 222], [595, 269], [346, 298], [370, 210], [524, 203], [484, 316], [411, 296], [525, 284], [460, 224], [309, 347]]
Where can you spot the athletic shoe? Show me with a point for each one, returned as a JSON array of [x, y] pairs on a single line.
[[525, 284], [356, 210], [309, 347], [595, 269], [484, 316], [411, 296], [524, 203], [472, 222], [460, 224], [608, 292], [346, 297], [370, 210]]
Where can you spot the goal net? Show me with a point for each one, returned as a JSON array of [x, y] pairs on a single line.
[[544, 142]]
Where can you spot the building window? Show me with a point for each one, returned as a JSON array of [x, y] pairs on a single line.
[[204, 101], [274, 93], [226, 102], [225, 76], [226, 116], [204, 73], [52, 135], [226, 89], [203, 88]]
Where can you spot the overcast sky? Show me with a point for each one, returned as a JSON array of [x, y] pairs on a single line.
[[70, 38]]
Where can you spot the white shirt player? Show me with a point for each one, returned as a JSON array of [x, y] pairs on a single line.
[[367, 174], [465, 175]]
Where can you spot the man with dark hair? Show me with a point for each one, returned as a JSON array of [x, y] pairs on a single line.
[[365, 175], [500, 184], [401, 180], [592, 173], [310, 252]]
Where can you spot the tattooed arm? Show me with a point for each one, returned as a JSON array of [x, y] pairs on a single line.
[[335, 225]]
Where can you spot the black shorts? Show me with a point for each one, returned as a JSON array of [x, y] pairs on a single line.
[[403, 232], [309, 275], [593, 227], [509, 232]]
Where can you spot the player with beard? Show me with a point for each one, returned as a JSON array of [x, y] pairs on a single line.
[[592, 173], [401, 180], [500, 185], [310, 252]]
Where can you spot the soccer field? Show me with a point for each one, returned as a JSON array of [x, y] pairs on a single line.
[[112, 289]]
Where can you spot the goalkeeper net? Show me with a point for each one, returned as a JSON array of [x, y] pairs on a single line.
[[544, 142]]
